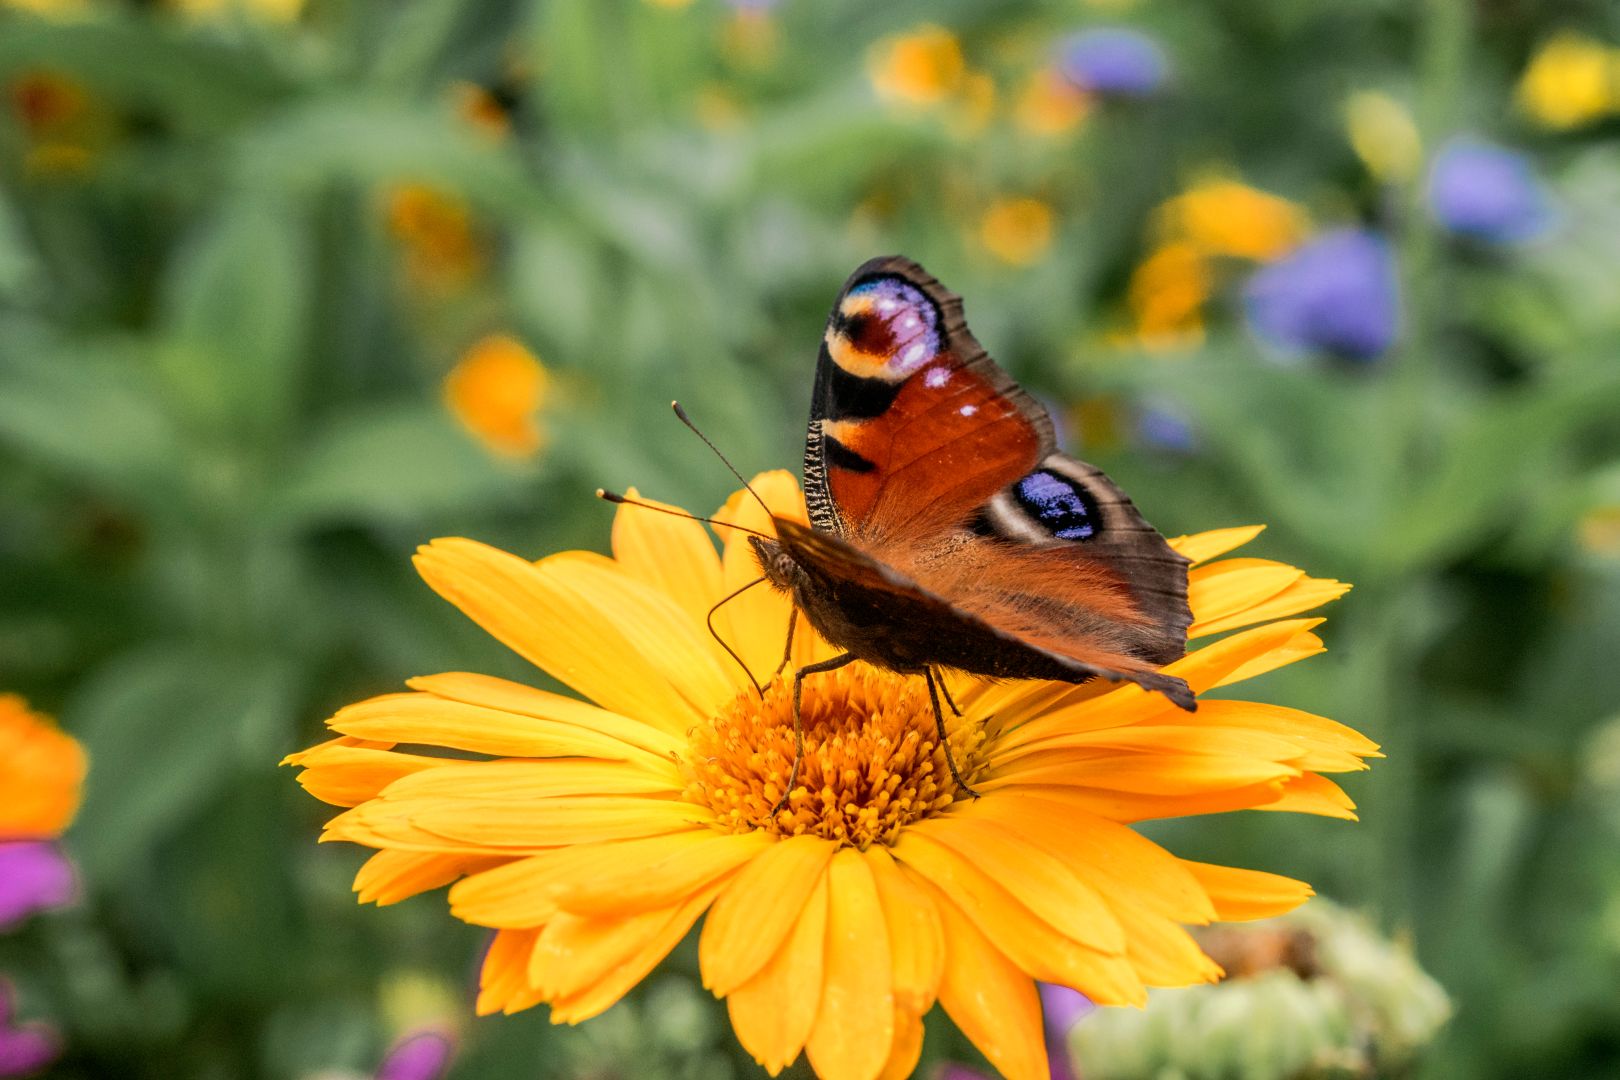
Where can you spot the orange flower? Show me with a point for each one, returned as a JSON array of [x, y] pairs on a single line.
[[435, 231], [1017, 231], [41, 772], [496, 391], [1224, 217], [1051, 104], [920, 68], [592, 837]]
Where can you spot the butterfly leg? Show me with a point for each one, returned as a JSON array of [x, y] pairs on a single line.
[[934, 687], [943, 689], [787, 650], [798, 727]]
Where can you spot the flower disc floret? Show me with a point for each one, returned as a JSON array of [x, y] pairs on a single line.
[[873, 762]]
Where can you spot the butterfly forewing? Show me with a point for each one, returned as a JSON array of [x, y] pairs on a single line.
[[926, 457]]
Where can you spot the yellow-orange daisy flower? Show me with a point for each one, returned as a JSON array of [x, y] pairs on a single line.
[[592, 837], [41, 772], [496, 391]]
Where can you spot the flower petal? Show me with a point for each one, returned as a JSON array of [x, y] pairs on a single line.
[[1302, 595], [390, 876], [854, 1031], [1132, 866], [524, 781], [637, 886], [1039, 881], [501, 827], [1028, 940], [1312, 794], [1163, 953], [994, 1003], [666, 638], [621, 979], [908, 1043], [1204, 546], [521, 892], [1240, 895], [1227, 589], [755, 913], [540, 612], [774, 1011], [672, 554], [1230, 659], [343, 774], [916, 940], [503, 979], [430, 720], [504, 695], [1141, 774]]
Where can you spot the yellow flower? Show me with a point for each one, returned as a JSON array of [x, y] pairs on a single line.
[[41, 772], [435, 230], [1572, 80], [593, 836], [268, 10], [1166, 297], [47, 8], [496, 391], [1599, 530], [1224, 217], [1383, 135], [1017, 231], [920, 68], [1051, 104]]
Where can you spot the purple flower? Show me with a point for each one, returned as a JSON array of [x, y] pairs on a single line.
[[34, 876], [1061, 1009], [1336, 294], [26, 1048], [421, 1055], [1114, 61], [1487, 192], [1165, 428]]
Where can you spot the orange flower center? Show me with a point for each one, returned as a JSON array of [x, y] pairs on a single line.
[[873, 761]]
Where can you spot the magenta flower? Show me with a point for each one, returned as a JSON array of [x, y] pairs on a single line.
[[34, 876], [27, 1048], [420, 1055]]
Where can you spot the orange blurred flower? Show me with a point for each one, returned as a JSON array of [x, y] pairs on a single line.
[[920, 68], [1018, 231], [41, 772], [496, 392], [435, 229]]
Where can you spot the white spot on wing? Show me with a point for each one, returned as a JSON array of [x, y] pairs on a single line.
[[936, 377], [968, 410], [915, 354]]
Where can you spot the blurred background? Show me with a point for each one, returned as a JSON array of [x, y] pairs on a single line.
[[288, 288]]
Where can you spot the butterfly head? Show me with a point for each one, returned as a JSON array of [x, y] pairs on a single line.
[[776, 564]]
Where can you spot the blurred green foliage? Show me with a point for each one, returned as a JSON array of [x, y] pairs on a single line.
[[222, 433]]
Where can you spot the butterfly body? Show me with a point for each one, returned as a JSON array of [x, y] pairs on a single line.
[[946, 529]]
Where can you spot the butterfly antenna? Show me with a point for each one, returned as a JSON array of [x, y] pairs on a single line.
[[622, 500], [687, 420]]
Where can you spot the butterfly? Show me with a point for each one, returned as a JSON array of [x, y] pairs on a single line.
[[947, 530]]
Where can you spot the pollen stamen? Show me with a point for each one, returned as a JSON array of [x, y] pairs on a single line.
[[873, 762]]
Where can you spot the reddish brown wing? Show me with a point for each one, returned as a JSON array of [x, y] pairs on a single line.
[[878, 613], [912, 425], [927, 455]]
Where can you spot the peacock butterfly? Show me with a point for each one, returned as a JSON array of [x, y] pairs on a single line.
[[946, 528]]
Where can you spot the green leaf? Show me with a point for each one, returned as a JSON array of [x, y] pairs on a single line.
[[390, 463], [167, 727]]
